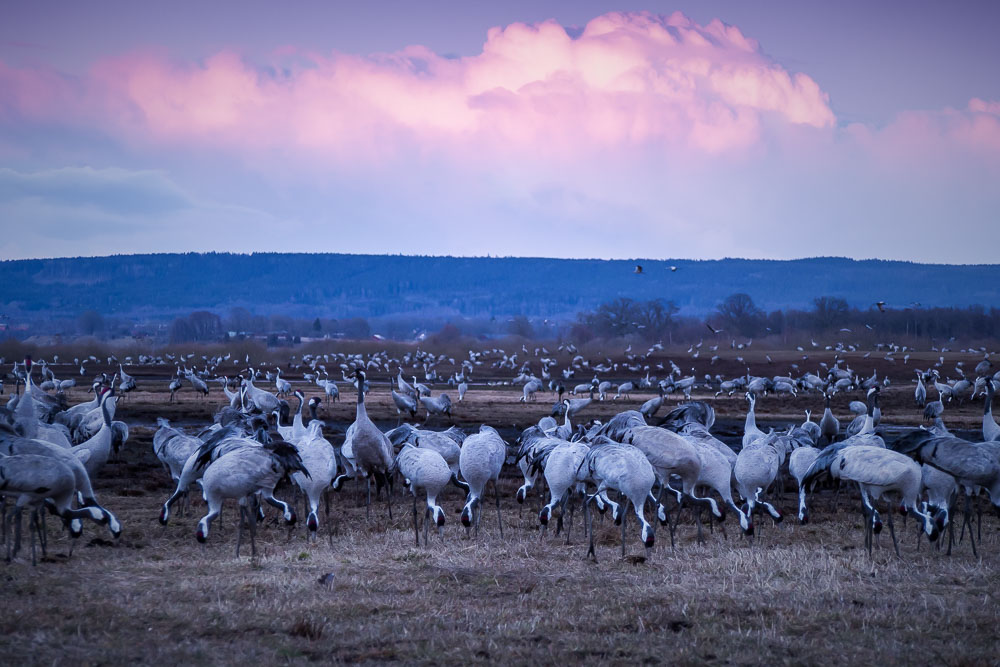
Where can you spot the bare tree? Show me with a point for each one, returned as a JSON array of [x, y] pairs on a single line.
[[741, 314], [830, 311]]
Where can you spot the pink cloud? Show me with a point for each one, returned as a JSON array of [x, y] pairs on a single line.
[[628, 80], [926, 140]]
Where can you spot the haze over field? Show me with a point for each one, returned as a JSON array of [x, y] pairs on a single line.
[[689, 129]]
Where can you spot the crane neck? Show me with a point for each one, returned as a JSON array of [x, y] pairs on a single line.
[[105, 410], [751, 421], [362, 411]]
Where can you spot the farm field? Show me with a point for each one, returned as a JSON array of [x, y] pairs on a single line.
[[362, 591]]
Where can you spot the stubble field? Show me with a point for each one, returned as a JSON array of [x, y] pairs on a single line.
[[364, 592]]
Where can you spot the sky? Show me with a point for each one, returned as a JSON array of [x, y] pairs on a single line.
[[691, 129]]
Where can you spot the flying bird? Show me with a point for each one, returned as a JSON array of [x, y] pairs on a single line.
[[881, 306], [713, 329]]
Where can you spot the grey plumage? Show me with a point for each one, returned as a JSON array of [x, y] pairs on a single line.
[[12, 445], [756, 468], [652, 406], [173, 447], [424, 469], [799, 462], [695, 411], [320, 463], [436, 405], [96, 450], [559, 461], [829, 425], [446, 443], [716, 470], [366, 450], [877, 471], [750, 430], [624, 468], [243, 474], [480, 461], [991, 430], [33, 481]]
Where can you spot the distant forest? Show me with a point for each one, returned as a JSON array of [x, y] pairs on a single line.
[[356, 295]]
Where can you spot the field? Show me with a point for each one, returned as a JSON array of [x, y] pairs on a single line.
[[363, 592]]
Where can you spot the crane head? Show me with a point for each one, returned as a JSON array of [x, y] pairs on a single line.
[[438, 516], [648, 537]]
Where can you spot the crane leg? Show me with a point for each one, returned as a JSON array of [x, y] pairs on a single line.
[[427, 520], [368, 498], [416, 530], [543, 529], [664, 516], [968, 518], [17, 532], [868, 531], [589, 519], [252, 517], [8, 528], [496, 496], [388, 495], [979, 521], [43, 534], [624, 521], [892, 531], [567, 506], [239, 533], [951, 536], [33, 529]]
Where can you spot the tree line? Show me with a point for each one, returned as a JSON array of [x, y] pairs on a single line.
[[738, 315], [649, 320]]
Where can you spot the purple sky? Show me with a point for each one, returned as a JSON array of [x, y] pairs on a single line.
[[782, 129]]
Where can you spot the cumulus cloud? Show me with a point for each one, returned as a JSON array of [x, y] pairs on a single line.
[[625, 80]]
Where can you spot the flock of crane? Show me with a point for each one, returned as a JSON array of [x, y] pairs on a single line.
[[50, 452]]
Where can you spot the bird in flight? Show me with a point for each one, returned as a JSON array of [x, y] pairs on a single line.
[[881, 306], [713, 329]]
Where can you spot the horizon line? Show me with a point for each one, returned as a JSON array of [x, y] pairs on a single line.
[[489, 256]]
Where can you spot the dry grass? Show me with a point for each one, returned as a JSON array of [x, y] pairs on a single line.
[[796, 594]]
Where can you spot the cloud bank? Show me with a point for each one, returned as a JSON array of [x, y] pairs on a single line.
[[625, 80]]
